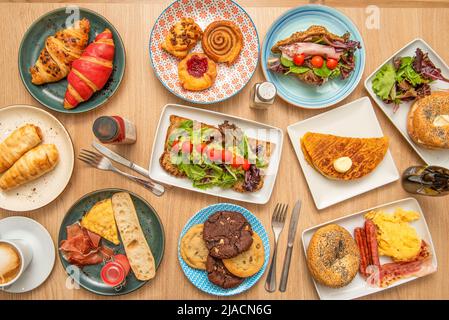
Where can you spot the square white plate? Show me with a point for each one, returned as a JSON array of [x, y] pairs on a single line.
[[358, 287], [251, 128], [355, 119], [399, 119]]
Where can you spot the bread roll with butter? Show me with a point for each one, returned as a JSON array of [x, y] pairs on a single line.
[[136, 246]]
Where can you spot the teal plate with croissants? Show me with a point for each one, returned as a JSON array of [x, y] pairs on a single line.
[[52, 94], [89, 276]]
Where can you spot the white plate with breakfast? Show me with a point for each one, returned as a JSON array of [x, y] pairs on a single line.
[[411, 88], [29, 252], [373, 250], [216, 154], [37, 158], [343, 153]]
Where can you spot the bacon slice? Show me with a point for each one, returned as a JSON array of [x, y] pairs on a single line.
[[371, 240], [310, 49], [83, 247], [360, 238], [391, 272]]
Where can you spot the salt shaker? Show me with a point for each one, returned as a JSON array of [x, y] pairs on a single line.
[[262, 95]]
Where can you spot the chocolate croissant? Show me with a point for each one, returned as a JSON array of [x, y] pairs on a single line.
[[30, 166], [17, 143], [55, 59]]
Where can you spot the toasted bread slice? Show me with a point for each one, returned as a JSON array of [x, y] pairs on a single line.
[[312, 34], [171, 168]]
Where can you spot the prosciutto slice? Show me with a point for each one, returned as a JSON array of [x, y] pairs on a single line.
[[310, 49], [83, 247]]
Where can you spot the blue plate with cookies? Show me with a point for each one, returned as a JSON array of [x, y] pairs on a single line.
[[223, 249]]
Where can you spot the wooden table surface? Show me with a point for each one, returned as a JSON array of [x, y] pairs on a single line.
[[141, 98]]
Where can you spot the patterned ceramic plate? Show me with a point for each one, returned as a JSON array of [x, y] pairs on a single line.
[[89, 277], [301, 94], [199, 277], [51, 95], [230, 80]]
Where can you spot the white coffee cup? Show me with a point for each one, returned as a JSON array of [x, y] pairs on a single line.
[[26, 255]]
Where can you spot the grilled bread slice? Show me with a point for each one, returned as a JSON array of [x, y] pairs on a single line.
[[321, 150], [171, 168]]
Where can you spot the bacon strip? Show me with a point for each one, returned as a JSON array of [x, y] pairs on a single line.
[[360, 238]]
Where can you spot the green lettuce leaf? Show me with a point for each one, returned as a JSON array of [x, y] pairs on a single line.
[[383, 81]]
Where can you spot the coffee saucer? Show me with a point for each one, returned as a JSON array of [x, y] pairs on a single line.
[[41, 244]]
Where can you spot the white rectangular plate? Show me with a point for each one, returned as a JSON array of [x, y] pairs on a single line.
[[399, 119], [251, 128], [358, 287], [355, 119]]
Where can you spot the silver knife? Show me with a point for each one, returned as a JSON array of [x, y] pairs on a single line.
[[118, 158], [291, 240]]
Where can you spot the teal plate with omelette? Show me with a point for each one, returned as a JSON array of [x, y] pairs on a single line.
[[51, 95], [293, 90], [89, 276]]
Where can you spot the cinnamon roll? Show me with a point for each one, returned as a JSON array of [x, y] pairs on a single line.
[[222, 41]]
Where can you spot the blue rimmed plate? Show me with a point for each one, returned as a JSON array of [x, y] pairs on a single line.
[[296, 92], [199, 277], [51, 95], [230, 79]]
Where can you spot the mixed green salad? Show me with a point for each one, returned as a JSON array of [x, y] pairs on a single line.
[[200, 152], [406, 79]]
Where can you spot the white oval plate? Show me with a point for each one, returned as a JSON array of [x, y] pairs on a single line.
[[42, 191], [41, 243]]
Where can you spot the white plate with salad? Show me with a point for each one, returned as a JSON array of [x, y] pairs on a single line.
[[396, 99], [216, 154]]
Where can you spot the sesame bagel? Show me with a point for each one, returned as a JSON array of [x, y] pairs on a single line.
[[428, 121], [332, 256]]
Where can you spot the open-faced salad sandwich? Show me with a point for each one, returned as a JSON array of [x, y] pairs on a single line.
[[406, 79], [315, 55], [222, 156]]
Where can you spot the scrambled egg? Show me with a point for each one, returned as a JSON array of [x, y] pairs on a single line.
[[396, 238], [100, 220]]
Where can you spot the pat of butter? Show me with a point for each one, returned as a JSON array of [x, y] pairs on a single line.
[[343, 164], [441, 120]]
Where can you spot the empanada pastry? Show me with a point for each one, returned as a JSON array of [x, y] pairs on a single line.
[[60, 50], [17, 143], [30, 166]]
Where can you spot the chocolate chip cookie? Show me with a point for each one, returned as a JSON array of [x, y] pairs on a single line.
[[227, 233], [193, 249], [219, 275]]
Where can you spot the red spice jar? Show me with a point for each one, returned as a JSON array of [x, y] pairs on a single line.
[[114, 272], [114, 130]]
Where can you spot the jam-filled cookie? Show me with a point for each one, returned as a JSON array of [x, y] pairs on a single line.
[[222, 41], [182, 37], [197, 72]]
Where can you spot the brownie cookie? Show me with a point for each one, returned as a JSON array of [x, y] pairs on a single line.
[[227, 233], [219, 275]]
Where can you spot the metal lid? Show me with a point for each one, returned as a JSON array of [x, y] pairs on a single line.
[[105, 128], [266, 91]]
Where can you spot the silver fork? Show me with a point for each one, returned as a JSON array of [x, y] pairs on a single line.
[[98, 161], [277, 224]]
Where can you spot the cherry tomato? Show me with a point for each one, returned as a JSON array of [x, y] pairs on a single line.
[[226, 156], [331, 63], [214, 155], [200, 147], [175, 146], [317, 61], [246, 165], [186, 147], [237, 161], [298, 59]]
